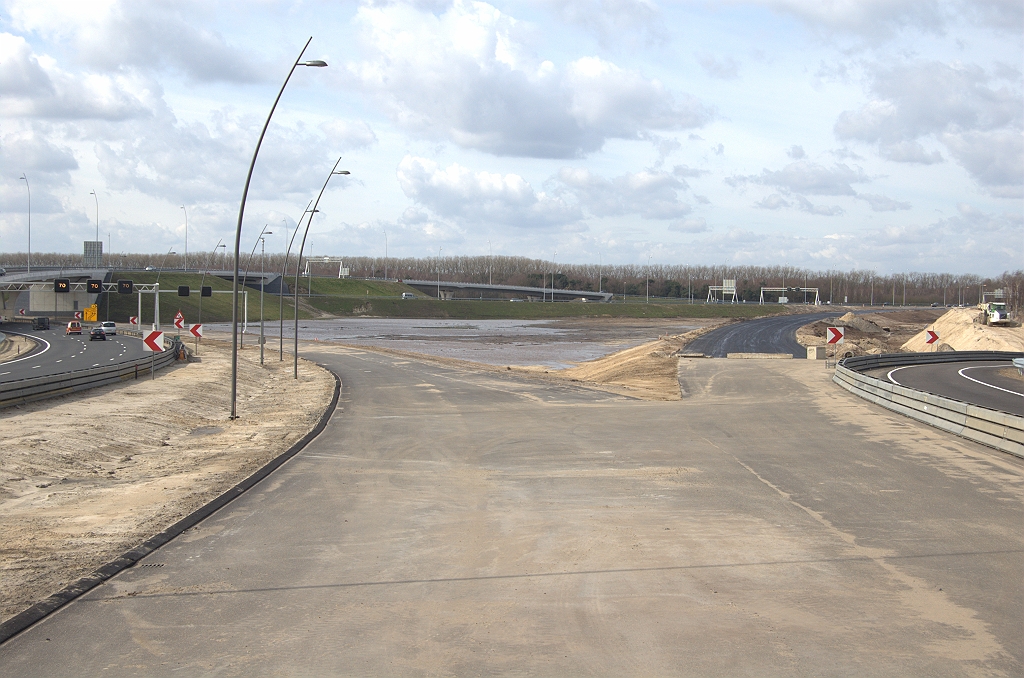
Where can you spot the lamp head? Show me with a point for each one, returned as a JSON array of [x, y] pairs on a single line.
[[342, 172], [315, 63]]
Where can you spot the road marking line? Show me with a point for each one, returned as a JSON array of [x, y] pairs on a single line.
[[34, 355], [977, 381]]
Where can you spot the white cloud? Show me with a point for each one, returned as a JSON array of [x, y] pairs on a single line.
[[882, 203], [806, 205], [694, 225], [977, 116], [725, 69], [348, 134], [154, 35], [473, 197], [614, 21], [804, 176], [772, 202], [467, 76], [33, 86], [651, 194], [796, 152]]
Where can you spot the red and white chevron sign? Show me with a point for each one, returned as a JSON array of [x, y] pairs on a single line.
[[179, 320], [78, 315], [133, 320], [931, 337], [834, 335], [21, 311], [153, 342], [195, 330]]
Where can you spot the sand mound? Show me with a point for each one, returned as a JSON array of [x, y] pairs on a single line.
[[866, 326], [961, 330]]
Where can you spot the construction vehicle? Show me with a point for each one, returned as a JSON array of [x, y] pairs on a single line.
[[995, 313]]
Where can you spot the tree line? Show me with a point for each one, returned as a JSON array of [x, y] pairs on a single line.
[[676, 281]]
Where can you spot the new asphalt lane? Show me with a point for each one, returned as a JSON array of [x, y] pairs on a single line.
[[460, 522], [763, 335], [59, 353]]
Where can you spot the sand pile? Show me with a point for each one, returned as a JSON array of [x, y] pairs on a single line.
[[856, 322], [961, 330]]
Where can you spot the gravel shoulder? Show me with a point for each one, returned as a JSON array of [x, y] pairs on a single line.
[[86, 477]]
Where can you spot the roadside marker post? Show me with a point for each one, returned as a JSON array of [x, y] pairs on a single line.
[[78, 315], [179, 320], [197, 332], [932, 337], [153, 342], [834, 336], [133, 320]]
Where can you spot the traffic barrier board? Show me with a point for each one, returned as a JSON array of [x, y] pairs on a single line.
[[21, 311], [195, 330], [133, 320], [78, 315], [179, 320], [153, 342], [932, 337], [834, 335]]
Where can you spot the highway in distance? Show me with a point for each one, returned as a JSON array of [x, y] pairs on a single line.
[[61, 353], [469, 522]]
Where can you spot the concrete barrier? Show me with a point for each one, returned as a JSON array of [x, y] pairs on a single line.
[[1000, 430]]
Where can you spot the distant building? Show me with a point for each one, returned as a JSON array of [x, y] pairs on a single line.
[[92, 256]]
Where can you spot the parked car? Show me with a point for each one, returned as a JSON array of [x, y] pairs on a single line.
[[74, 327], [408, 295], [97, 333], [41, 323], [109, 327]]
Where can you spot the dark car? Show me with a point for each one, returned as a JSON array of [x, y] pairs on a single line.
[[97, 333], [40, 323]]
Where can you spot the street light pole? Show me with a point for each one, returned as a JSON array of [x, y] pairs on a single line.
[[93, 194], [385, 254], [439, 273], [186, 237], [245, 279], [29, 189], [220, 243], [648, 276], [156, 293], [298, 262], [238, 228], [263, 260], [284, 272]]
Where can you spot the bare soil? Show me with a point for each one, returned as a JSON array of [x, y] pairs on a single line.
[[872, 333], [86, 477]]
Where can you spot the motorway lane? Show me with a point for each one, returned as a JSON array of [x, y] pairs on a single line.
[[469, 523], [68, 353], [763, 335], [972, 382]]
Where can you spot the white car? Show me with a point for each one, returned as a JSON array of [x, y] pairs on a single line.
[[109, 328]]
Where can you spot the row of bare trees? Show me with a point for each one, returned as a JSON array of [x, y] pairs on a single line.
[[662, 280]]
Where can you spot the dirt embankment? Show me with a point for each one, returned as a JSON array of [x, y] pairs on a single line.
[[960, 329], [14, 346], [86, 477], [871, 333]]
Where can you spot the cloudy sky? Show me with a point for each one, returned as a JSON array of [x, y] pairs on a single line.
[[872, 134]]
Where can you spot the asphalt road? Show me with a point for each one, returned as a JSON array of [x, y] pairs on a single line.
[[61, 353], [983, 383], [763, 335], [474, 523]]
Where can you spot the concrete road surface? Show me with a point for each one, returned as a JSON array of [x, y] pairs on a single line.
[[763, 335], [453, 522], [981, 383]]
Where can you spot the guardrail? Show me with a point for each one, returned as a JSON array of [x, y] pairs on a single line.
[[1000, 430], [21, 391]]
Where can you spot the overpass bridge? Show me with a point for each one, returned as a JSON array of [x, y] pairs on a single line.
[[464, 290]]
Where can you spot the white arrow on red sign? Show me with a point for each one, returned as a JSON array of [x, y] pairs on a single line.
[[78, 315], [179, 320], [195, 330], [834, 335], [931, 337], [153, 342], [133, 320]]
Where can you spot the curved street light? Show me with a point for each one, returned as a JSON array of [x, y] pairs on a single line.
[[284, 272], [245, 279], [316, 63], [298, 262], [93, 194], [186, 238], [29, 189]]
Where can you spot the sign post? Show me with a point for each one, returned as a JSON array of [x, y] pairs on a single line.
[[197, 332], [834, 336], [153, 342]]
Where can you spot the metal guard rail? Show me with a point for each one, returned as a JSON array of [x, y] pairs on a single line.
[[21, 391], [1000, 430]]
